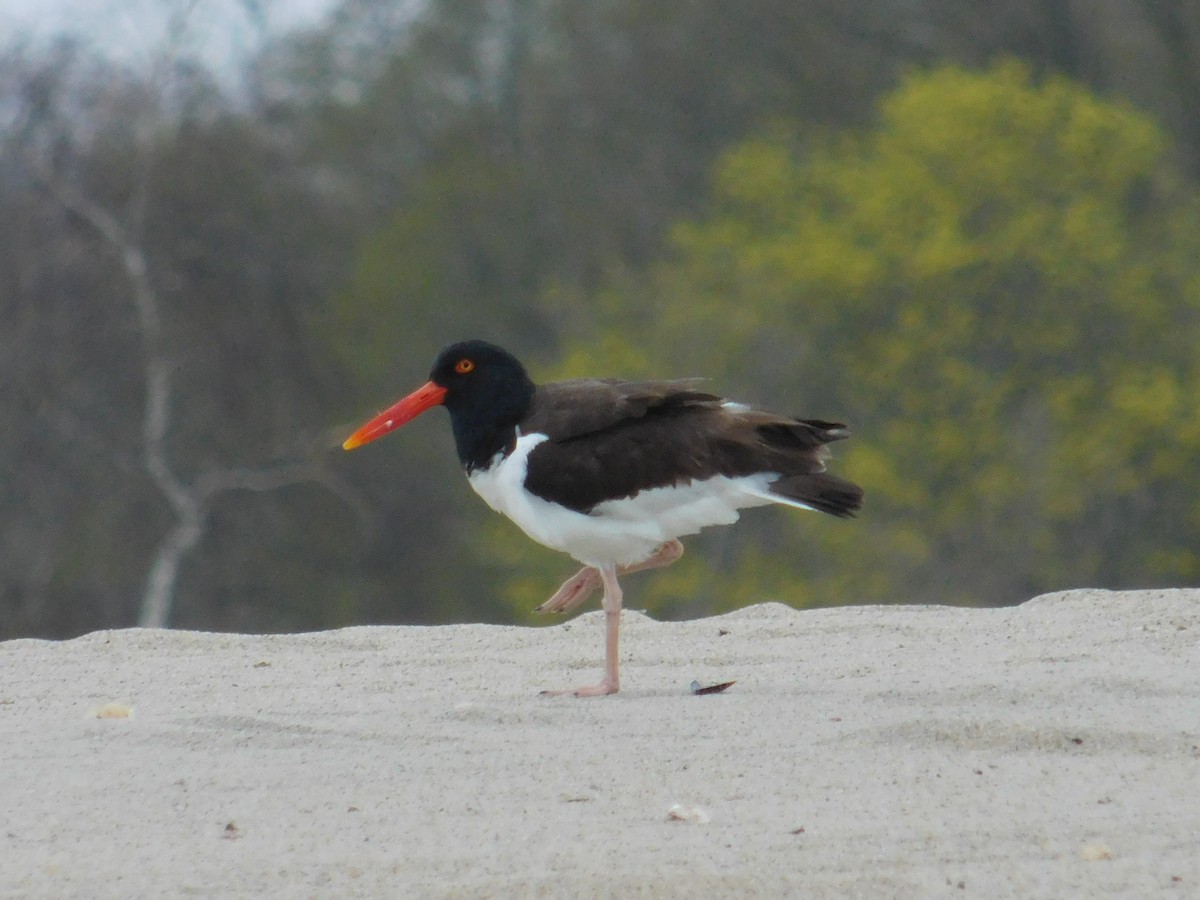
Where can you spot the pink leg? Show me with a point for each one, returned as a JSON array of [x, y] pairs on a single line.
[[665, 555], [574, 591], [611, 682], [580, 586]]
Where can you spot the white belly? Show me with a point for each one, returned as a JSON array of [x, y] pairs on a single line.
[[622, 531]]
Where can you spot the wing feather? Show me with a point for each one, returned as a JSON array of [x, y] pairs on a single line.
[[612, 439]]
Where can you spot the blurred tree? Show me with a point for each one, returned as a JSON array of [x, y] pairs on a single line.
[[137, 358], [407, 173], [548, 146], [527, 149], [1000, 286]]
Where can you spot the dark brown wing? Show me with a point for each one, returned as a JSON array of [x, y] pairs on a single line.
[[567, 409], [613, 439]]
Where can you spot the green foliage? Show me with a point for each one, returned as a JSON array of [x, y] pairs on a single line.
[[391, 180], [999, 286], [452, 262]]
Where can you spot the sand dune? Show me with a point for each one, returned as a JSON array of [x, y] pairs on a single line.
[[1045, 750]]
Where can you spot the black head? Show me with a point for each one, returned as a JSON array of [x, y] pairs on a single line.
[[488, 392]]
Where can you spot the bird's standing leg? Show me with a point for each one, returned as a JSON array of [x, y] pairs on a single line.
[[579, 586], [611, 682]]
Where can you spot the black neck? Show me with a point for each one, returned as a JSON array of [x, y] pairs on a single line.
[[485, 423]]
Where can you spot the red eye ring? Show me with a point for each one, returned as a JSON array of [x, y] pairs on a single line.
[[464, 365]]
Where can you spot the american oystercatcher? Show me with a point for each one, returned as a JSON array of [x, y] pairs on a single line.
[[614, 472]]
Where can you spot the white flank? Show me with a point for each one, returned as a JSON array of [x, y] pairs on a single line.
[[621, 531]]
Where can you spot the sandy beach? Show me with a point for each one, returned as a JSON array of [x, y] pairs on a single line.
[[1046, 750]]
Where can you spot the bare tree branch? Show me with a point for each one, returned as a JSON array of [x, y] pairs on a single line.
[[190, 503]]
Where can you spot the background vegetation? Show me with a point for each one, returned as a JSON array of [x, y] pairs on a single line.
[[974, 235]]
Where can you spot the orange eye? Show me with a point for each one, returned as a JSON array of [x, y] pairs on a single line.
[[464, 365]]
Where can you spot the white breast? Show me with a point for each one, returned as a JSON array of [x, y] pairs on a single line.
[[621, 531]]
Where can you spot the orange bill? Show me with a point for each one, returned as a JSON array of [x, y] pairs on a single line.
[[423, 398]]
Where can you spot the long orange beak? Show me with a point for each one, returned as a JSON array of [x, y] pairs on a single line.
[[425, 397]]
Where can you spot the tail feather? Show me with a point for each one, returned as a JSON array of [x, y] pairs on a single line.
[[820, 491], [827, 431], [801, 434]]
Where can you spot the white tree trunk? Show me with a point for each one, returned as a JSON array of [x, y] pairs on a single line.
[[158, 598]]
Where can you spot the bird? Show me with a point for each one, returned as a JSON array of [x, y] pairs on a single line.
[[614, 472]]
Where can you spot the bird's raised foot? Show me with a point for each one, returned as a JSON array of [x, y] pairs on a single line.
[[603, 688], [573, 592]]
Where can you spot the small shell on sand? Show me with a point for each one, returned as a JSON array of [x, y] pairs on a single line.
[[113, 711]]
